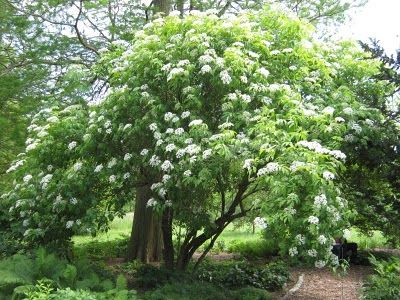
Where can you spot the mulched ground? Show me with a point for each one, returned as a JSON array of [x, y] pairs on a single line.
[[324, 285]]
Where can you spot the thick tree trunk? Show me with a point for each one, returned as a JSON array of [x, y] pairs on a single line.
[[146, 240], [168, 250], [162, 6]]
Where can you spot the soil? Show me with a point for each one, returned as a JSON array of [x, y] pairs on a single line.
[[324, 285]]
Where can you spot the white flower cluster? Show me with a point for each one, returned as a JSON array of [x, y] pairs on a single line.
[[296, 165], [328, 175], [260, 222], [127, 156], [151, 202], [293, 251], [317, 147], [322, 239], [71, 145], [312, 252], [313, 220], [27, 178], [300, 239], [320, 264], [15, 166], [268, 169], [247, 164], [225, 77], [320, 201]]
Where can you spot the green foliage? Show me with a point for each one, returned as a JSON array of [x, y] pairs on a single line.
[[47, 272], [385, 284], [254, 249], [204, 291], [148, 276], [272, 277]]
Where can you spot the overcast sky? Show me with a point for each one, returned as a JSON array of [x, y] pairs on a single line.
[[379, 19]]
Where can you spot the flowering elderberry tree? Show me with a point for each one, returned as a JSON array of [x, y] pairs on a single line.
[[218, 117]]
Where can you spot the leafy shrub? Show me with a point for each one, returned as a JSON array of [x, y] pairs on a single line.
[[235, 275], [96, 250], [249, 293], [188, 291], [149, 277], [204, 291], [43, 272], [385, 284]]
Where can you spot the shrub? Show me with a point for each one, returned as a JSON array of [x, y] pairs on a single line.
[[385, 284], [235, 275]]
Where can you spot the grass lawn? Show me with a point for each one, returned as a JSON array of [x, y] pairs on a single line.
[[121, 228]]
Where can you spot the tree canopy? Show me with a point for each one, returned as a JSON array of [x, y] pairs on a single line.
[[221, 116]]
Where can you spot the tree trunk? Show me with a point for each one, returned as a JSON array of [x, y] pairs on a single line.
[[168, 250], [146, 241], [162, 6]]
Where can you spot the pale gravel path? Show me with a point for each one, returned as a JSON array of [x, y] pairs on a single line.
[[324, 285]]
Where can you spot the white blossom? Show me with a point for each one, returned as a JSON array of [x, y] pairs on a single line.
[[292, 68], [77, 166], [180, 153], [207, 153], [348, 111], [112, 178], [328, 175], [357, 128], [154, 161], [98, 168], [296, 165], [243, 79], [320, 201], [151, 202], [275, 52], [195, 123], [73, 201], [153, 127], [112, 163], [157, 135], [313, 220], [167, 166], [179, 131], [339, 120], [127, 156], [293, 251], [205, 69], [27, 178], [312, 253], [165, 178], [260, 222], [168, 116], [225, 77], [168, 203], [322, 239], [174, 72], [268, 169], [185, 114], [247, 164], [300, 239], [346, 234], [170, 147], [205, 59], [328, 110], [187, 173], [320, 264], [338, 154], [264, 72], [287, 50], [31, 147], [144, 152], [69, 224]]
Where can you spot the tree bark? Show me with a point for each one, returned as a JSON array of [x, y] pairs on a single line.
[[168, 249], [162, 6], [146, 241]]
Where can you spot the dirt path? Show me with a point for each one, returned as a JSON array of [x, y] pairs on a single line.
[[324, 285]]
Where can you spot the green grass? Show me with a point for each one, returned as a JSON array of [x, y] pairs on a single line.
[[119, 228]]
